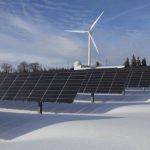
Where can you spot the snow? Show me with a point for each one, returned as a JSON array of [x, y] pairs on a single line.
[[111, 123]]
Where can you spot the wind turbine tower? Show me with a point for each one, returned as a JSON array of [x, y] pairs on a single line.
[[90, 37]]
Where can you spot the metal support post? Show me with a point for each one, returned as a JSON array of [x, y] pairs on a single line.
[[92, 97], [40, 107]]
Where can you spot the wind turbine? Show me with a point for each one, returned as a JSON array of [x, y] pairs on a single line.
[[90, 37]]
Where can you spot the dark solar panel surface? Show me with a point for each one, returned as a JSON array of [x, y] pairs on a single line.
[[49, 87], [41, 87], [104, 81], [71, 87], [145, 80], [6, 84], [56, 86], [139, 78], [63, 86], [119, 82], [135, 78]]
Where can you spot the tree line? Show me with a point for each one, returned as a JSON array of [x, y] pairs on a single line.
[[135, 62], [25, 67]]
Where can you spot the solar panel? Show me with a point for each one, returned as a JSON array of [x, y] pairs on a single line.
[[41, 87], [119, 82], [71, 87], [100, 81], [93, 82], [106, 82], [85, 81], [145, 80], [6, 84], [50, 87], [2, 79], [63, 87], [109, 81], [57, 84], [29, 82], [135, 77]]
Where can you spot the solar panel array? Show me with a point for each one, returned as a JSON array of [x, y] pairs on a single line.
[[63, 86], [50, 87]]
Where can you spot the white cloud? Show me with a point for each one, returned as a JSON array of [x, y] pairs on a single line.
[[38, 43]]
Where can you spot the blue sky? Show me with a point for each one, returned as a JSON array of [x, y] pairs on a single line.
[[34, 30]]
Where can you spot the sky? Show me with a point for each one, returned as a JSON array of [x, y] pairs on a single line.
[[34, 31]]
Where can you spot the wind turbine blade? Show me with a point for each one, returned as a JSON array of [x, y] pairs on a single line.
[[94, 43], [77, 31], [92, 26]]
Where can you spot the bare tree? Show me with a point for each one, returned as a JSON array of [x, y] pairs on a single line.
[[23, 67], [7, 68], [35, 67]]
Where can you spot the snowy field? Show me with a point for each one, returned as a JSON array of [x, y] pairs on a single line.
[[111, 123]]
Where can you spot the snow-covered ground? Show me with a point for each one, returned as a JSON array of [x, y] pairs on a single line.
[[111, 123]]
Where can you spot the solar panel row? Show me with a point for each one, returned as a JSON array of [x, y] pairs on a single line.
[[50, 87], [63, 86]]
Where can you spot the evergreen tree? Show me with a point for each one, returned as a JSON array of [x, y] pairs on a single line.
[[97, 64], [133, 61], [144, 63], [127, 63], [138, 62]]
